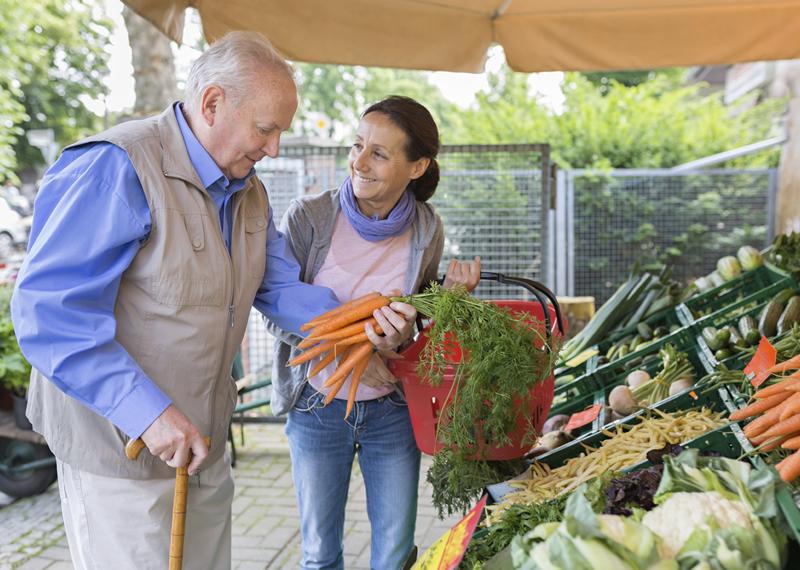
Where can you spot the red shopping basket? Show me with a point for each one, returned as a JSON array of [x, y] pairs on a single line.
[[426, 403]]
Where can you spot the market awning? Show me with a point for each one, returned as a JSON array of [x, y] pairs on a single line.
[[537, 35]]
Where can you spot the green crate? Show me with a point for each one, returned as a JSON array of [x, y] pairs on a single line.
[[751, 305], [599, 392], [683, 339], [719, 298], [711, 399]]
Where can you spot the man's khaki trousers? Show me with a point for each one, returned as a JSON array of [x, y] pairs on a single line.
[[124, 524]]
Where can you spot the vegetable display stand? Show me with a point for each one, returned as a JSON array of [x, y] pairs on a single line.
[[720, 298], [427, 403]]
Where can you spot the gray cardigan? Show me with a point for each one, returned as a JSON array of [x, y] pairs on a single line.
[[308, 225]]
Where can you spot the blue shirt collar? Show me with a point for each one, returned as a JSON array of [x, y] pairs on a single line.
[[210, 174]]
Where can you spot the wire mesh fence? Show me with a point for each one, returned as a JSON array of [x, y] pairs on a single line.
[[493, 200], [613, 221]]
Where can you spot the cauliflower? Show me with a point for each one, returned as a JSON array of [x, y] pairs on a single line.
[[676, 518]]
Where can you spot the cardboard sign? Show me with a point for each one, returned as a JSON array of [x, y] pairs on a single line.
[[580, 419], [447, 552], [763, 360]]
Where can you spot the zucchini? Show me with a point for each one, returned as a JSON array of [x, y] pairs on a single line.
[[644, 331], [768, 321], [790, 315], [723, 337], [729, 268], [722, 354], [784, 295], [635, 343], [710, 336], [611, 352], [748, 327], [736, 338], [623, 350], [674, 328]]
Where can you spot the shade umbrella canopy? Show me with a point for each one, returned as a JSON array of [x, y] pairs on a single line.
[[537, 35]]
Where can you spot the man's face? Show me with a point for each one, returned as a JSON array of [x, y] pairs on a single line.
[[242, 133]]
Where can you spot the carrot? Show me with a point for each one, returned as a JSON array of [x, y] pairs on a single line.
[[357, 372], [357, 313], [762, 424], [338, 310], [355, 339], [311, 353], [789, 468], [345, 365], [785, 427], [792, 364], [792, 443], [350, 330], [781, 386], [792, 407], [355, 356], [327, 359], [308, 342], [774, 442], [759, 406]]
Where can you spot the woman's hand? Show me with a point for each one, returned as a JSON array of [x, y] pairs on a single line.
[[377, 374], [466, 273], [397, 321]]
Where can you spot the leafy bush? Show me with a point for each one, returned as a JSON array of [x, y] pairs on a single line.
[[14, 369]]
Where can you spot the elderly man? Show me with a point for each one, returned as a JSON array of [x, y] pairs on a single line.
[[150, 243]]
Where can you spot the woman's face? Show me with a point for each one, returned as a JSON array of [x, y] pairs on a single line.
[[379, 168]]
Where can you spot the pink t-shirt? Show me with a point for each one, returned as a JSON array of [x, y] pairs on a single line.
[[355, 267]]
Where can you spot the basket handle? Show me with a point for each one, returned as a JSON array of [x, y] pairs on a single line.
[[538, 290]]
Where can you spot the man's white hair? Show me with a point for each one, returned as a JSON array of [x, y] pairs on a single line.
[[232, 63]]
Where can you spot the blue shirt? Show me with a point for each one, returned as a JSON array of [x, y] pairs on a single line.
[[90, 219]]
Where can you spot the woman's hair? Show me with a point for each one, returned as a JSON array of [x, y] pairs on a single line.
[[423, 138], [232, 63]]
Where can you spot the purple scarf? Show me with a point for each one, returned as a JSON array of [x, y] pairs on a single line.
[[373, 229]]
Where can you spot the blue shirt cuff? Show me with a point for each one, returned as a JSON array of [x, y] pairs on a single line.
[[140, 408]]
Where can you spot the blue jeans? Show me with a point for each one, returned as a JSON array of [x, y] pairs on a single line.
[[323, 445]]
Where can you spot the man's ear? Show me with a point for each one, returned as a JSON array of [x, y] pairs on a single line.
[[420, 166], [210, 101]]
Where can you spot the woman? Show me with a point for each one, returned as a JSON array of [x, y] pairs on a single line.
[[374, 233]]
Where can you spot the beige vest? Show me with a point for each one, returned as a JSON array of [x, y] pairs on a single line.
[[181, 310]]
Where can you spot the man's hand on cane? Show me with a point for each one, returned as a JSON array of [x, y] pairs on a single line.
[[172, 437]]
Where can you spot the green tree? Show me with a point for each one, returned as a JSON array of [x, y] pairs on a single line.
[[52, 56], [341, 92], [654, 124]]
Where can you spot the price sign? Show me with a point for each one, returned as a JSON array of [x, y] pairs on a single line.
[[580, 419], [447, 552], [763, 360]]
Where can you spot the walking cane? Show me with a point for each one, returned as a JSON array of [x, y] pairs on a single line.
[[178, 531]]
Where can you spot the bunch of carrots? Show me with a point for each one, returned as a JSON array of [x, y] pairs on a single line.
[[341, 333], [779, 422]]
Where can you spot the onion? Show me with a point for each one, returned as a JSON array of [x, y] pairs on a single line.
[[554, 423], [622, 401], [637, 378], [554, 439], [680, 385]]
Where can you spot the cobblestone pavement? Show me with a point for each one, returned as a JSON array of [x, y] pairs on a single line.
[[266, 532]]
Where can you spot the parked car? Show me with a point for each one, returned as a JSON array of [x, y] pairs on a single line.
[[14, 230]]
